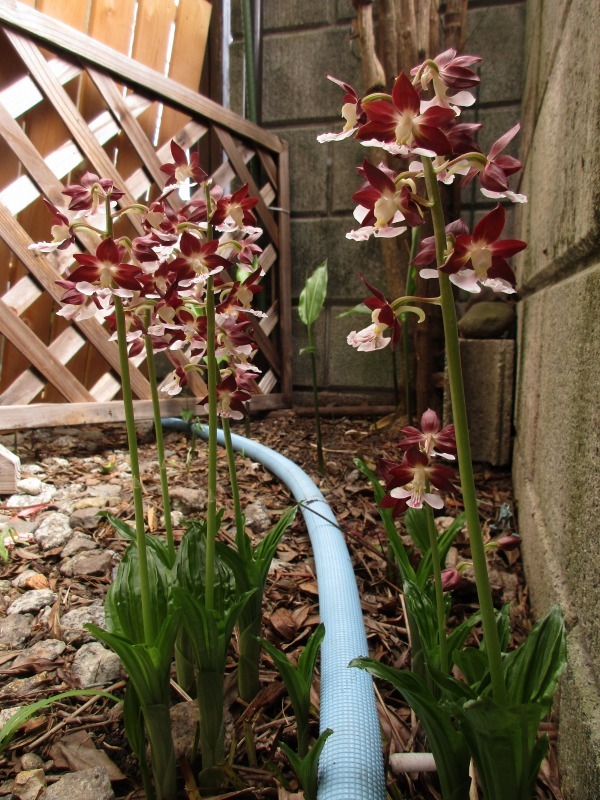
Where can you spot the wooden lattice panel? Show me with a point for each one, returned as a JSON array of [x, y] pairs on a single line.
[[78, 105]]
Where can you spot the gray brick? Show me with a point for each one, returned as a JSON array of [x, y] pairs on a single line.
[[346, 367], [558, 438], [308, 170], [496, 34], [295, 68], [316, 239], [488, 370], [295, 13], [560, 222]]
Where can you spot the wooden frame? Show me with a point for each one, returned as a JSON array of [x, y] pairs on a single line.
[[121, 93]]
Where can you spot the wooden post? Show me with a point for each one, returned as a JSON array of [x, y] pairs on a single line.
[[10, 471]]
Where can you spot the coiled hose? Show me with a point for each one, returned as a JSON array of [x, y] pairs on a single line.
[[351, 764]]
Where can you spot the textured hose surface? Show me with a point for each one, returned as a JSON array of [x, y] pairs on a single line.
[[351, 765]]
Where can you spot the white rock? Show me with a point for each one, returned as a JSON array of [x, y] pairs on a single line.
[[73, 621], [53, 531], [94, 665], [14, 630], [86, 784], [258, 517], [30, 486], [33, 600]]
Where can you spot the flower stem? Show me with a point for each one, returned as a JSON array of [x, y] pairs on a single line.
[[440, 605], [235, 492], [459, 413], [211, 504], [160, 447], [313, 366], [138, 503]]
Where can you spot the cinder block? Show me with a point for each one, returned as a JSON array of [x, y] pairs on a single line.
[[488, 371], [309, 168], [346, 367], [295, 13], [296, 65], [558, 440], [492, 33], [316, 239], [561, 221]]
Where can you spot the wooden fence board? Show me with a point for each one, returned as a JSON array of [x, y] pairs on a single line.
[[92, 100], [51, 32]]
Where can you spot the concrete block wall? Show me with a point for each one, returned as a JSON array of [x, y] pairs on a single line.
[[303, 41], [557, 450]]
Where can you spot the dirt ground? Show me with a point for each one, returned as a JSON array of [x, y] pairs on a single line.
[[93, 461]]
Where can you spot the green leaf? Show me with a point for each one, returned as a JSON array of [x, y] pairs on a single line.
[[445, 541], [406, 570], [124, 597], [533, 670], [504, 746], [307, 767], [19, 718], [448, 748], [313, 295]]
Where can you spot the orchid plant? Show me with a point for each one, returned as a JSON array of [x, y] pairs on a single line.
[[492, 714], [184, 287]]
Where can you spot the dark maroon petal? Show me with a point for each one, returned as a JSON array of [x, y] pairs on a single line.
[[507, 247], [432, 139], [490, 227], [450, 579], [502, 142], [493, 178], [416, 458], [109, 250], [404, 95], [501, 269], [508, 164], [377, 178]]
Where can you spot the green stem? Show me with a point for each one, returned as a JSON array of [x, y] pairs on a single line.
[[138, 503], [459, 413], [211, 503], [313, 367], [235, 491], [440, 605], [160, 447]]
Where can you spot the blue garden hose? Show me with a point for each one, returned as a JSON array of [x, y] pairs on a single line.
[[351, 764]]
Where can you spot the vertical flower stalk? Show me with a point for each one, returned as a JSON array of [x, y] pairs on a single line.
[[211, 504], [160, 447], [440, 605], [463, 447]]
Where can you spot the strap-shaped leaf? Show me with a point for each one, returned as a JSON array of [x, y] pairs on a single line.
[[533, 670], [19, 718], [313, 295], [504, 746], [307, 767], [448, 748], [406, 570]]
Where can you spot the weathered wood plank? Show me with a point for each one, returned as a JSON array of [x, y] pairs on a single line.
[[23, 95], [28, 384], [130, 125], [16, 238], [38, 66], [41, 415], [237, 162], [191, 35], [10, 471], [54, 33], [40, 357]]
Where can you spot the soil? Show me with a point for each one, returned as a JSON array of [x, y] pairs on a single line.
[[94, 457]]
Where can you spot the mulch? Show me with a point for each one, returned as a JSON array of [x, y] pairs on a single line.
[[291, 601]]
